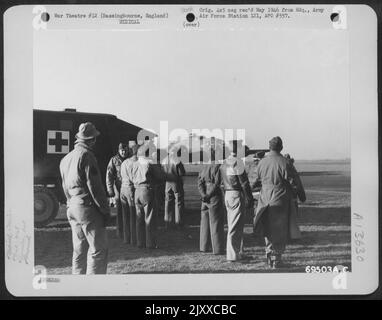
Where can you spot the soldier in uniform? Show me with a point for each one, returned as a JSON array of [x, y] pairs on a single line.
[[127, 198], [174, 192], [212, 213], [251, 169], [113, 184], [238, 195], [145, 175], [276, 176], [159, 186], [88, 210], [298, 192]]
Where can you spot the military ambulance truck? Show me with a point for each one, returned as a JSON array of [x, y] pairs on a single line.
[[54, 136]]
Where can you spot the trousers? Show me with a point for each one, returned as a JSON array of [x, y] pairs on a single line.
[[119, 217], [212, 225], [174, 198], [128, 215], [146, 217], [235, 218], [89, 237]]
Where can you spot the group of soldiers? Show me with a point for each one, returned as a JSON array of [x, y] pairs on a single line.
[[136, 185]]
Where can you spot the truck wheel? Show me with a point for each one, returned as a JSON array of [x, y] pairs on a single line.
[[45, 206]]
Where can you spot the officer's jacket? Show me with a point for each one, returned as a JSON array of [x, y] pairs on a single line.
[[81, 179], [174, 169], [209, 180], [145, 173], [234, 177], [277, 175], [113, 174], [127, 172]]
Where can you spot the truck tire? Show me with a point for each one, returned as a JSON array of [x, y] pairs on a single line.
[[45, 206]]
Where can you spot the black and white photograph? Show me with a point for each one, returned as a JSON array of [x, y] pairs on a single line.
[[192, 144]]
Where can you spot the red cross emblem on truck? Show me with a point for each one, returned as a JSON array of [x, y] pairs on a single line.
[[58, 142]]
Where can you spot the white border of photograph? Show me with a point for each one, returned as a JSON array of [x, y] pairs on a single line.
[[21, 278]]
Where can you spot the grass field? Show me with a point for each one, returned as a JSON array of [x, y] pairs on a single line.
[[324, 222]]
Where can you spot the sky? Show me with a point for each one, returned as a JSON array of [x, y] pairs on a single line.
[[271, 82]]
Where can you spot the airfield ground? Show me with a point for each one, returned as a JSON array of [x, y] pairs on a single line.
[[324, 222]]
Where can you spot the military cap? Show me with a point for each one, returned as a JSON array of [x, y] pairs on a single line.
[[87, 131]]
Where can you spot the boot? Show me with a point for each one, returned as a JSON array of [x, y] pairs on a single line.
[[275, 261]]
